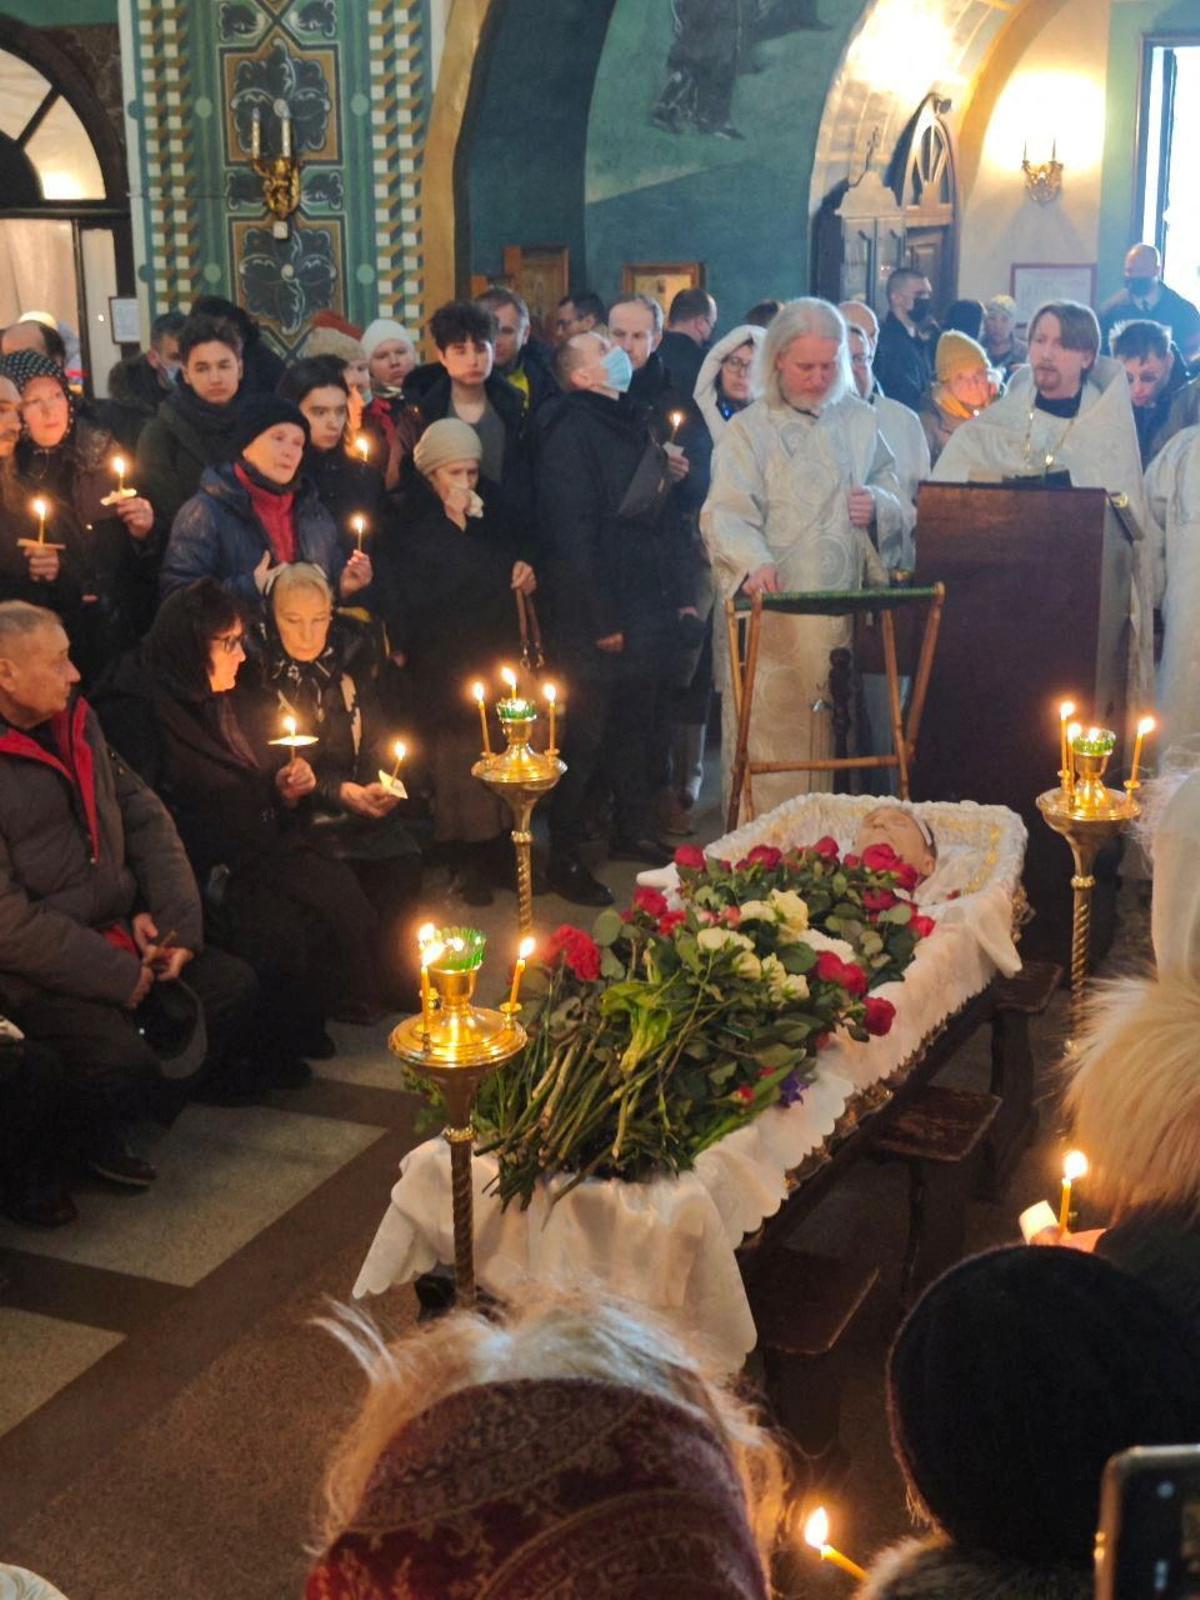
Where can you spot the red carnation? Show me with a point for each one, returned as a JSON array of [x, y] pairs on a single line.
[[652, 901], [879, 899], [827, 847], [690, 855], [921, 926], [851, 861], [880, 858], [907, 877], [847, 975], [765, 855], [669, 921], [880, 1016], [745, 1094], [578, 950]]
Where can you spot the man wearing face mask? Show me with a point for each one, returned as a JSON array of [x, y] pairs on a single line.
[[617, 579], [1145, 295], [904, 355], [139, 384]]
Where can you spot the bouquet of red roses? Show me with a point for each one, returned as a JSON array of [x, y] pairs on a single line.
[[666, 1029]]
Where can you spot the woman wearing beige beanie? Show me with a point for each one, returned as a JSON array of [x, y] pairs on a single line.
[[963, 388]]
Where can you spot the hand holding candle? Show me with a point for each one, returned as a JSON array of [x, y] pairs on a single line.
[[390, 781], [816, 1534], [1075, 1166], [40, 508], [359, 524], [677, 419], [121, 492]]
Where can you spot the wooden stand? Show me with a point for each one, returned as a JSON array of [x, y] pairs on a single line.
[[1040, 580]]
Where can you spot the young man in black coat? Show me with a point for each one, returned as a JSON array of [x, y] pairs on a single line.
[[618, 583], [907, 339], [139, 384]]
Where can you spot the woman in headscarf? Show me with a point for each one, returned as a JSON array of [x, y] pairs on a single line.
[[111, 554], [297, 916], [448, 572], [322, 668], [570, 1448]]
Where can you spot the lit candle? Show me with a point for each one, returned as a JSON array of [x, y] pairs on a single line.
[[1145, 726], [40, 509], [359, 523], [510, 679], [524, 950], [118, 466], [1074, 729], [551, 694], [285, 129], [430, 951], [1075, 1166], [477, 691], [677, 421], [399, 750], [816, 1533], [363, 445], [1065, 712], [255, 134]]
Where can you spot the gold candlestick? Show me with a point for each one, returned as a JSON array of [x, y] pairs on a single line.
[[457, 1045], [520, 775]]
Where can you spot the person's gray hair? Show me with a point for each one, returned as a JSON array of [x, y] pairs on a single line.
[[809, 318], [645, 300], [18, 619], [298, 575]]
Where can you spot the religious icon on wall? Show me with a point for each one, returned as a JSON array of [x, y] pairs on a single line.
[[539, 274], [713, 41], [661, 282]]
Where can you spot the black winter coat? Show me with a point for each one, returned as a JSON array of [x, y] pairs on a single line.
[[84, 844], [683, 358], [186, 436], [614, 562], [427, 391], [347, 487], [449, 603], [903, 364], [134, 396]]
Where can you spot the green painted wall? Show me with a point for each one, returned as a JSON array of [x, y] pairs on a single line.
[[58, 13], [1130, 21], [739, 205]]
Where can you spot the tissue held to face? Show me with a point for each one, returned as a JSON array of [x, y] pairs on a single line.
[[895, 826]]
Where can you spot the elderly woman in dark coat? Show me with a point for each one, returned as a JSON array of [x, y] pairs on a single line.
[[298, 917], [257, 513], [449, 575], [322, 668]]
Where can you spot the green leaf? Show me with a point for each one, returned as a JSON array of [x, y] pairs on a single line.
[[608, 927], [897, 915], [798, 958], [611, 966]]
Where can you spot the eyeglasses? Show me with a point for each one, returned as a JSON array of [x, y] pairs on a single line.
[[733, 364], [231, 643]]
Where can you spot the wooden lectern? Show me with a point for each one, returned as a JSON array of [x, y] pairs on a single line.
[[1038, 591]]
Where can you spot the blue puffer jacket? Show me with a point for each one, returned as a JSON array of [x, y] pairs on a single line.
[[217, 535]]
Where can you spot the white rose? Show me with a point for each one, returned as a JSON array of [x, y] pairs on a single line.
[[784, 985], [792, 912], [718, 938], [758, 911], [795, 986], [816, 940]]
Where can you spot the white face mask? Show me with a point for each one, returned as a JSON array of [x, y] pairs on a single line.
[[170, 372]]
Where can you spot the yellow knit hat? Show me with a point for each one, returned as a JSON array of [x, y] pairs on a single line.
[[958, 352]]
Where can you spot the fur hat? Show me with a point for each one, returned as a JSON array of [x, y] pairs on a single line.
[[447, 440], [1014, 1379], [333, 342], [263, 411], [958, 352]]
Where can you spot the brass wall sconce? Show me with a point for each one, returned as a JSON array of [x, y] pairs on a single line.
[[1043, 179], [280, 174]]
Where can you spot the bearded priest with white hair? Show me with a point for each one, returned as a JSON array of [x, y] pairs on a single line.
[[804, 497]]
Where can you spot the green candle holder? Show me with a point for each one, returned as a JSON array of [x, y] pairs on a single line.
[[516, 710], [1097, 742], [462, 950]]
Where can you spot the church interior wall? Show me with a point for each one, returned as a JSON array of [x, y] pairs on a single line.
[[60, 13]]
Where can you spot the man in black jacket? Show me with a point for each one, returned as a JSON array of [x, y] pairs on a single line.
[[617, 579], [690, 323], [519, 358], [904, 353], [97, 901], [139, 384]]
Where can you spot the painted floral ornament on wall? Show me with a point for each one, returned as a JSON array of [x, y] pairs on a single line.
[[285, 281]]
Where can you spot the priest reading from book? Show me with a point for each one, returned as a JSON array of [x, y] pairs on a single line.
[[1066, 420]]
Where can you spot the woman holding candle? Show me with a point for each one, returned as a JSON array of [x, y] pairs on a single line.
[[29, 570], [454, 560], [295, 914], [259, 513], [66, 460], [323, 669], [347, 485]]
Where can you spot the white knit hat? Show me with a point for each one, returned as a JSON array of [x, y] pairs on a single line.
[[380, 331]]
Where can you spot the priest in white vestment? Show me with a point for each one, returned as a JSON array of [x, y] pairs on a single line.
[[1069, 409], [804, 497], [1173, 491]]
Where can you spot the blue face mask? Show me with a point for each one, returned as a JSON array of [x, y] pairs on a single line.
[[618, 369]]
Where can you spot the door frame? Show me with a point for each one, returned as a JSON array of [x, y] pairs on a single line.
[[1172, 40]]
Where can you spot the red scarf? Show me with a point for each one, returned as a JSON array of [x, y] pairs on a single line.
[[274, 512]]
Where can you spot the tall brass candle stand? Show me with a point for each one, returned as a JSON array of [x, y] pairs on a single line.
[[1088, 815], [520, 775], [457, 1044]]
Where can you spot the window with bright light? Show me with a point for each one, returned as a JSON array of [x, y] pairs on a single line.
[[58, 145], [1170, 217]]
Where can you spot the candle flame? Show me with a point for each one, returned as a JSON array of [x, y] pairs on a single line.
[[1066, 709], [477, 691], [676, 418], [816, 1529], [1093, 733], [526, 948], [40, 508], [1147, 725], [363, 445], [359, 524], [1074, 730], [551, 693], [399, 749], [510, 678], [1075, 1166], [426, 934], [289, 724], [118, 466]]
